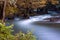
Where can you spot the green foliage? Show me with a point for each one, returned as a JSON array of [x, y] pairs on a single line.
[[5, 34], [22, 36], [0, 21]]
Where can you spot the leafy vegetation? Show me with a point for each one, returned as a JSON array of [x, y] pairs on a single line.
[[10, 9], [5, 34], [22, 36]]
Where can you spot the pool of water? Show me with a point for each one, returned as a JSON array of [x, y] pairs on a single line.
[[49, 31]]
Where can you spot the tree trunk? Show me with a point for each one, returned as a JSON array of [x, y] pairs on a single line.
[[3, 19]]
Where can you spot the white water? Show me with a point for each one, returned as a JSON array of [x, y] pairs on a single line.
[[41, 32]]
